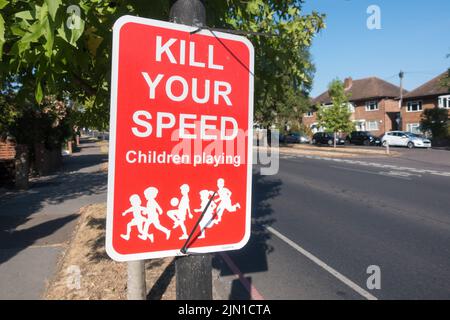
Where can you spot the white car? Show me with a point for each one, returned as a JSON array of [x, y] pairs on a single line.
[[405, 139]]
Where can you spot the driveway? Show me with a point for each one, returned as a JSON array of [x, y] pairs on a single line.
[[36, 223]]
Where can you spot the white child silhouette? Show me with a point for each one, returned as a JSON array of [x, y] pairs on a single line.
[[138, 218], [207, 219], [179, 216], [224, 196], [153, 209]]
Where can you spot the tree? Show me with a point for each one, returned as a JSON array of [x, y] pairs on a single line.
[[52, 48], [446, 80], [336, 118], [435, 121]]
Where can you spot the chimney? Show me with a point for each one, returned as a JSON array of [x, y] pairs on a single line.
[[348, 82]]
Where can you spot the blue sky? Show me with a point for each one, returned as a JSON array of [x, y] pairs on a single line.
[[414, 37]]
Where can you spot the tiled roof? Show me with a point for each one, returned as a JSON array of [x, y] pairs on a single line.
[[363, 89], [430, 88]]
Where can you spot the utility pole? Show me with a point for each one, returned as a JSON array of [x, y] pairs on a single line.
[[401, 75], [193, 272]]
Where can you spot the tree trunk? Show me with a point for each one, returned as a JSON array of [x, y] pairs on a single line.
[[334, 140]]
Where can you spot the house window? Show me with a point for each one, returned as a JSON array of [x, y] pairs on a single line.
[[360, 125], [413, 127], [372, 106], [309, 114], [414, 106], [372, 125], [444, 102], [351, 107]]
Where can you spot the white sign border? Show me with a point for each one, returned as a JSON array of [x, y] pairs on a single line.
[[112, 143]]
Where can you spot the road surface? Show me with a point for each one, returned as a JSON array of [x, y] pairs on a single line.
[[320, 223]]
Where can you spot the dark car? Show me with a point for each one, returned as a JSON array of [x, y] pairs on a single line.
[[363, 138], [295, 137], [326, 138]]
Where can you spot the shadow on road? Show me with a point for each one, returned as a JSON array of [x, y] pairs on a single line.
[[253, 257], [238, 290], [160, 286]]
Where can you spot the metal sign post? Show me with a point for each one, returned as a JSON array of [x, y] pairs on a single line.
[[193, 272], [136, 288]]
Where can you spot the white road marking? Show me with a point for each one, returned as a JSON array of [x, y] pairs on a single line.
[[374, 164], [381, 173], [323, 265], [399, 174]]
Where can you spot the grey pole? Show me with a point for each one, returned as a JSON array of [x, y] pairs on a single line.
[[136, 289], [189, 12], [401, 75], [193, 272]]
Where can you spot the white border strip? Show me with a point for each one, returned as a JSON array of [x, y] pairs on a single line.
[[112, 142], [323, 265]]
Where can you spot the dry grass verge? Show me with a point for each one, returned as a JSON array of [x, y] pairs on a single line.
[[104, 167], [339, 152], [101, 277], [104, 146], [371, 151]]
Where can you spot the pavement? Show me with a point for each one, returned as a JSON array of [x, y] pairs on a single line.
[[37, 223], [320, 226]]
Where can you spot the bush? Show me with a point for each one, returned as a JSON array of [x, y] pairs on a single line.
[[435, 121]]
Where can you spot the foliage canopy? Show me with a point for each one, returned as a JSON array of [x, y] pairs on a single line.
[[64, 49]]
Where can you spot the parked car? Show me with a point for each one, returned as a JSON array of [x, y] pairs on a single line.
[[405, 139], [363, 138], [326, 138], [295, 137]]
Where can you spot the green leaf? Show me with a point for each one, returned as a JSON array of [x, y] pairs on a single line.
[[2, 35], [18, 30], [53, 7], [39, 95], [3, 3], [76, 33], [35, 32], [50, 38], [26, 15], [61, 31]]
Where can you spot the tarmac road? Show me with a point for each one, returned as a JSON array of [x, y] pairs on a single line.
[[320, 223]]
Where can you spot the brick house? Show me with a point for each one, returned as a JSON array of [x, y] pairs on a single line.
[[7, 150], [14, 164], [374, 104], [7, 157], [428, 96]]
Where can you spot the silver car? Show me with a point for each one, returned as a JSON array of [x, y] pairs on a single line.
[[405, 139]]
